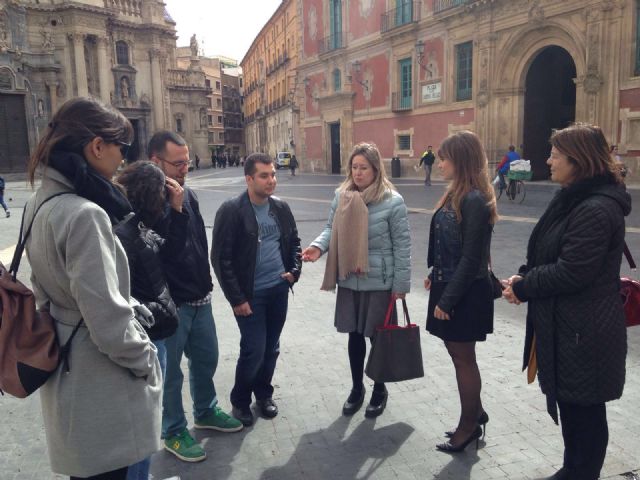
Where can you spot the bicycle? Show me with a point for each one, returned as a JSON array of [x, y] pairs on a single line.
[[515, 188]]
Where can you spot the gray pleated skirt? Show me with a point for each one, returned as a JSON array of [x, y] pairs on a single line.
[[361, 312]]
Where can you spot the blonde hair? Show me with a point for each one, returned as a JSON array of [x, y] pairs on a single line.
[[382, 185], [471, 172]]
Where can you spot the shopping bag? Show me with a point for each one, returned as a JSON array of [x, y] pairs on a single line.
[[395, 354]]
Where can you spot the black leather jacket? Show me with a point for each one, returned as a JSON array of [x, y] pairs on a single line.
[[235, 243], [465, 247]]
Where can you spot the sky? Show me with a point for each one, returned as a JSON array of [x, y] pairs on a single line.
[[222, 27]]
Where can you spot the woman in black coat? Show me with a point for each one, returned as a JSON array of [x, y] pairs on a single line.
[[575, 318]]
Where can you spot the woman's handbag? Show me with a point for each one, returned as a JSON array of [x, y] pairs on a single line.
[[395, 354], [29, 348], [630, 291]]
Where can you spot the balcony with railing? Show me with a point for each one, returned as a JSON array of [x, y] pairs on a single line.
[[331, 43], [442, 5], [401, 102], [405, 14]]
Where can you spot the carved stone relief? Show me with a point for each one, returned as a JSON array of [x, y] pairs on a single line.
[[365, 7], [312, 23]]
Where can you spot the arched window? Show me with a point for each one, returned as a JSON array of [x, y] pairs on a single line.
[[122, 53], [337, 80]]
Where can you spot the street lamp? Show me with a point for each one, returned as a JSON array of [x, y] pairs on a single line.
[[420, 54], [357, 66]]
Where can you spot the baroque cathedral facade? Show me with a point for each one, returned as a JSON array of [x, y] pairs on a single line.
[[119, 51]]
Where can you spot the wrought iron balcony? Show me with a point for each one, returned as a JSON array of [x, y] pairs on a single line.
[[400, 102], [332, 42], [442, 5], [403, 15]]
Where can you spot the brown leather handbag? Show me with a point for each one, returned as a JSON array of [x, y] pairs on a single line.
[[29, 348]]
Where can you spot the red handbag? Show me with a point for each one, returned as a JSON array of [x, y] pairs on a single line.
[[630, 291]]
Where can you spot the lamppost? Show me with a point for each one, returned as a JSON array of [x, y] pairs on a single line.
[[357, 66]]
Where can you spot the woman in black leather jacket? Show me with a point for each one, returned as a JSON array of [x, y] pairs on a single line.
[[460, 308]]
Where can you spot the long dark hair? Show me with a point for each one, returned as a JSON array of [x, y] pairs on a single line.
[[465, 151], [74, 125], [144, 185]]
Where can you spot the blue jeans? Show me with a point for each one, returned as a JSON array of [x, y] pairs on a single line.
[[196, 338], [4, 205], [140, 470], [260, 345]]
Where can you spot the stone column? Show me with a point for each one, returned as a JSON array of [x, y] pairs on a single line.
[[103, 70], [81, 68], [53, 95], [156, 87], [68, 73]]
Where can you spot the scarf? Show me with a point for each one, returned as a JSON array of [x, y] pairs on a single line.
[[88, 183], [349, 244]]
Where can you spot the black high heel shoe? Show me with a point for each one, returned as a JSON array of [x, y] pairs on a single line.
[[377, 404], [449, 448], [354, 402], [483, 419]]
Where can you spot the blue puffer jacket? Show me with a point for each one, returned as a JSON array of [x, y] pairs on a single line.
[[389, 246]]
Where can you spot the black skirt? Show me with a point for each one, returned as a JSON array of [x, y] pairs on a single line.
[[471, 318]]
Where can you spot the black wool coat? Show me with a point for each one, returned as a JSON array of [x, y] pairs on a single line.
[[572, 284]]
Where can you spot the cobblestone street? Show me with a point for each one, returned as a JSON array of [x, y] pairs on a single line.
[[310, 439]]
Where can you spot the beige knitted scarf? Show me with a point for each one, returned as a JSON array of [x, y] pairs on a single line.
[[349, 244]]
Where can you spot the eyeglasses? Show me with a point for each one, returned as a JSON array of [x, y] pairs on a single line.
[[178, 164], [124, 148]]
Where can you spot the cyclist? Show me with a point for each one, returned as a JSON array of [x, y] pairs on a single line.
[[503, 166]]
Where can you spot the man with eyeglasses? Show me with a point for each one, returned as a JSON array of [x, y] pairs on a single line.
[[257, 258], [189, 278]]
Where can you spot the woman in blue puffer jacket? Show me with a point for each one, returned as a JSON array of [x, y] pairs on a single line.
[[369, 245]]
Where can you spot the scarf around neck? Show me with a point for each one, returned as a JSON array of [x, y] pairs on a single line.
[[349, 243], [88, 183]]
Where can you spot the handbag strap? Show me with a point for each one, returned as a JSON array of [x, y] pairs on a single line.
[[22, 239], [628, 256], [392, 304]]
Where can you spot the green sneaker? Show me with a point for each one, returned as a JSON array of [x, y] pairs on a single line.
[[185, 447], [220, 421]]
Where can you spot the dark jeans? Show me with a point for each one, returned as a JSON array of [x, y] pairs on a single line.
[[427, 171], [586, 434], [119, 474], [260, 345]]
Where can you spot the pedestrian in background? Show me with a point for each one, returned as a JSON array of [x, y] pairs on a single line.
[[293, 164], [460, 310], [189, 276], [256, 256], [428, 158], [197, 162], [575, 320], [369, 245], [4, 205], [145, 186], [104, 413]]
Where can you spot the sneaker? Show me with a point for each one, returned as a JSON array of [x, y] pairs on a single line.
[[185, 447], [268, 407], [220, 421]]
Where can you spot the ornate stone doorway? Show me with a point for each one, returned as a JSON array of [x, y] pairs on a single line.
[[550, 103]]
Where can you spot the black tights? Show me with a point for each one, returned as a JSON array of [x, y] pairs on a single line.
[[120, 474], [357, 353], [463, 355]]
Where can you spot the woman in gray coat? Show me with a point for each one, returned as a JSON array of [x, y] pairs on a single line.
[[104, 414], [575, 320], [369, 245]]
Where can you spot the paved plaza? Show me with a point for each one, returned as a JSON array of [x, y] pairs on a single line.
[[310, 439]]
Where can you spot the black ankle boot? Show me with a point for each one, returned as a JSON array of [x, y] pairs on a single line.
[[377, 403], [354, 402]]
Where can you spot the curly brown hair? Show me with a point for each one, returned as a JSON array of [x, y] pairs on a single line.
[[144, 185]]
